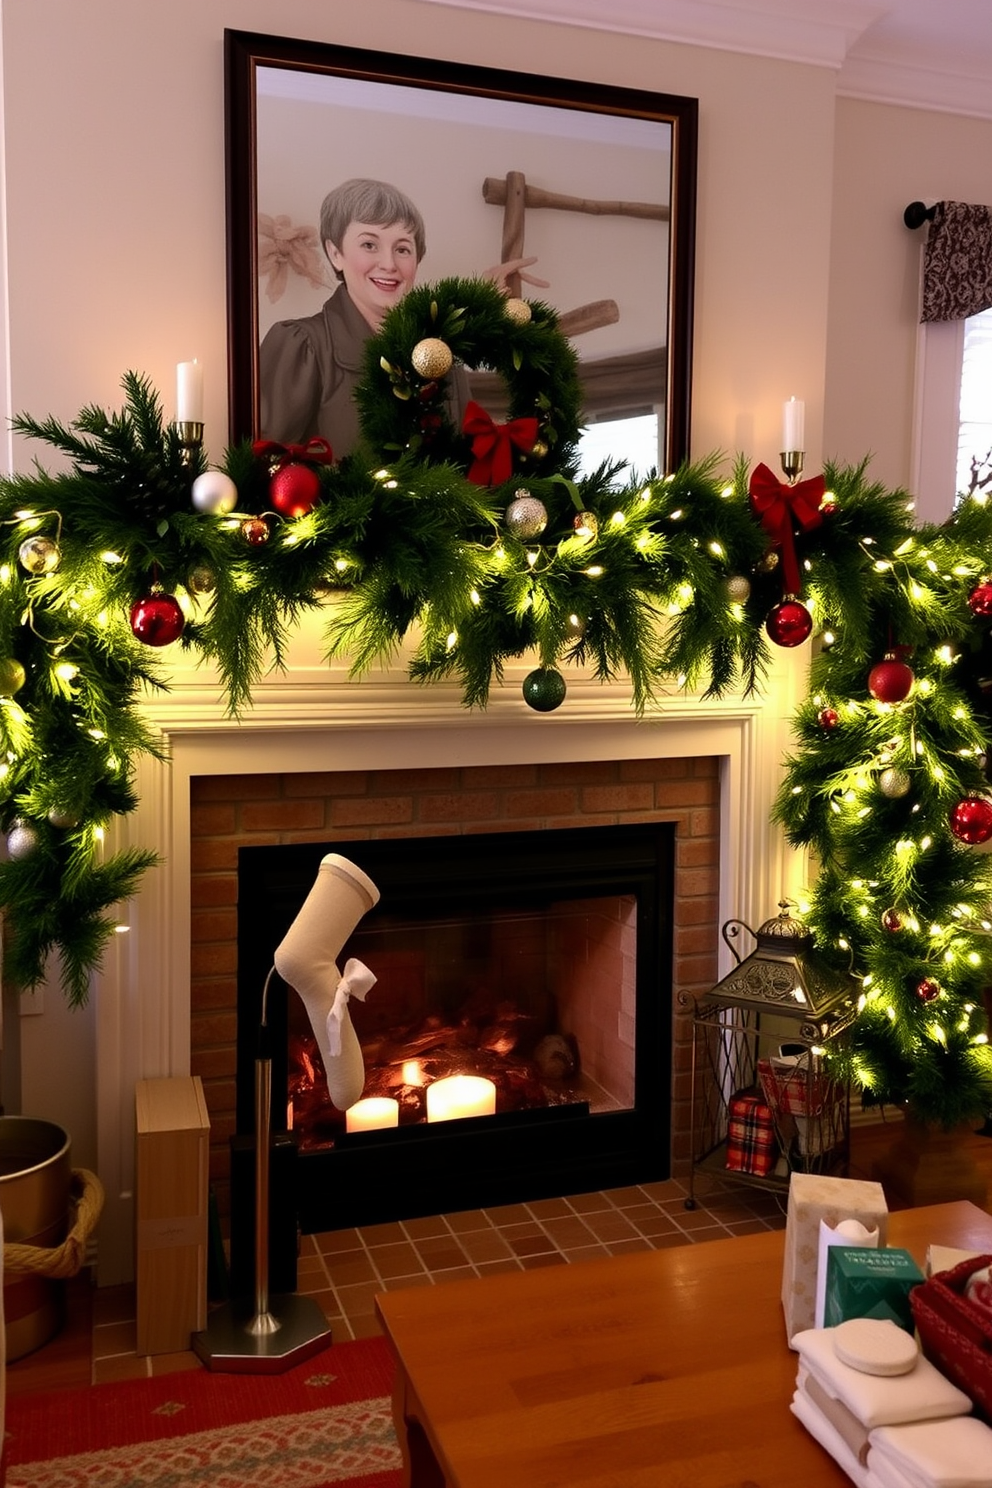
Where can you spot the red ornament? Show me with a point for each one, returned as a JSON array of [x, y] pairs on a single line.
[[828, 718], [157, 619], [971, 820], [928, 989], [891, 920], [980, 599], [828, 506], [255, 531], [789, 623], [891, 681], [294, 489]]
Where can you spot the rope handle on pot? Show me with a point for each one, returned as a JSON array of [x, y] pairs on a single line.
[[61, 1261]]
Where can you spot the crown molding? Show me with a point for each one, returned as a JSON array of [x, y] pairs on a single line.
[[788, 30], [841, 36]]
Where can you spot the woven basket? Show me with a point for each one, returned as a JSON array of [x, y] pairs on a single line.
[[955, 1333]]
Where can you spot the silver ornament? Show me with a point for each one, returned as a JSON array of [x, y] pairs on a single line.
[[63, 819], [214, 493], [22, 841], [526, 516], [39, 555], [738, 589], [894, 783]]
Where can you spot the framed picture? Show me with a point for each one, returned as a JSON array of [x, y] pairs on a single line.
[[595, 184]]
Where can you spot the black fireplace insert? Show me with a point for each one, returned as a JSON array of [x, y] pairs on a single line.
[[540, 959]]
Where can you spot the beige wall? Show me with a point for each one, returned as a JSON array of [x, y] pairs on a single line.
[[885, 158], [114, 122]]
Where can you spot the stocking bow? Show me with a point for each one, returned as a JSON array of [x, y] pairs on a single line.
[[316, 451], [356, 981], [776, 504], [493, 444]]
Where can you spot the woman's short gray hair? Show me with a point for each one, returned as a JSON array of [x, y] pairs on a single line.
[[376, 202]]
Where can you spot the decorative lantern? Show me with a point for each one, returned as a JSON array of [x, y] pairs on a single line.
[[764, 1102]]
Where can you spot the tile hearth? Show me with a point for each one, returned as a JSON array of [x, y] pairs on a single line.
[[344, 1269]]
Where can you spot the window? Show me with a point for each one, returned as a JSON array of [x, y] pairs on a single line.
[[975, 405]]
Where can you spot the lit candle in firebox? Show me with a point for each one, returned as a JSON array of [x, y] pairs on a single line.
[[460, 1095], [372, 1114]]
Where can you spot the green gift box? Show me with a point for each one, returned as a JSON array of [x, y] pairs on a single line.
[[862, 1282]]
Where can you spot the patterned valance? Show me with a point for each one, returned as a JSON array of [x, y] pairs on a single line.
[[957, 262]]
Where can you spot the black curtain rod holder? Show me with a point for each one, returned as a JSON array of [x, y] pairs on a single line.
[[917, 213]]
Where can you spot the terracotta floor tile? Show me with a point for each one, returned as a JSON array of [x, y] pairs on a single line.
[[440, 1253], [365, 1327], [490, 1268], [585, 1253], [509, 1214], [570, 1232], [549, 1258], [588, 1203], [348, 1269], [331, 1242], [458, 1273], [483, 1245], [610, 1225], [548, 1208], [657, 1224], [531, 1245], [396, 1260], [627, 1247], [115, 1338], [382, 1234], [422, 1229], [469, 1219]]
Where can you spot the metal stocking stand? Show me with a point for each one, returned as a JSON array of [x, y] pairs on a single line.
[[282, 1330]]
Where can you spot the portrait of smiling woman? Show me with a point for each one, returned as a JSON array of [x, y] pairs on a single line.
[[373, 237]]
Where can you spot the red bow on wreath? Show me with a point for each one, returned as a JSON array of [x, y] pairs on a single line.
[[493, 444], [776, 504], [316, 451]]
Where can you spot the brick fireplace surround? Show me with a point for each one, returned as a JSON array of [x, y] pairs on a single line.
[[232, 811], [320, 758]]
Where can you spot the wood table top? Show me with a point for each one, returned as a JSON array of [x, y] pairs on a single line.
[[661, 1369]]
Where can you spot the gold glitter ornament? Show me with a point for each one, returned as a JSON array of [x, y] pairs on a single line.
[[518, 311], [431, 357]]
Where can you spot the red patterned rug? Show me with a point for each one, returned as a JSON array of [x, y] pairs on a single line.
[[326, 1422]]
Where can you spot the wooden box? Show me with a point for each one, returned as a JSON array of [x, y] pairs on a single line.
[[171, 1189]]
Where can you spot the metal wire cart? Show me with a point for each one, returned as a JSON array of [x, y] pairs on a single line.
[[763, 1103]]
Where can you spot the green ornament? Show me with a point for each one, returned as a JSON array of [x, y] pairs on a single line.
[[544, 689]]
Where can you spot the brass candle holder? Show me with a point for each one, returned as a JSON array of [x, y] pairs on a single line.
[[190, 432], [792, 464]]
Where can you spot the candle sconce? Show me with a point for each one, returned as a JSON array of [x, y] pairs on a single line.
[[792, 464], [190, 432]]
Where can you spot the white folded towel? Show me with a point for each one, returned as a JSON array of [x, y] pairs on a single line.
[[830, 1439], [875, 1399], [936, 1454], [844, 1422], [882, 1474]]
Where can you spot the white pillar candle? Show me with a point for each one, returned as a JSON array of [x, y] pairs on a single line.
[[189, 393], [460, 1095], [372, 1114], [794, 425]]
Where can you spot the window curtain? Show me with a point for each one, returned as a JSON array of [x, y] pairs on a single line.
[[957, 262]]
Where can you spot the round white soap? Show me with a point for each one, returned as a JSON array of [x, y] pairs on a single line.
[[875, 1346]]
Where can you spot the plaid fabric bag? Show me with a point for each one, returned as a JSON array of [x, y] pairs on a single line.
[[751, 1143]]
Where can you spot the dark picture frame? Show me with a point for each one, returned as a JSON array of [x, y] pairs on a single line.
[[592, 119]]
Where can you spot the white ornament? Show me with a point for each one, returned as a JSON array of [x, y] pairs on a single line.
[[894, 783], [214, 493]]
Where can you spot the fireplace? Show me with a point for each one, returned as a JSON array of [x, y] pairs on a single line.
[[289, 771], [541, 961]]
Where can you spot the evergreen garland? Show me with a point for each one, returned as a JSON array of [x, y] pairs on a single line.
[[669, 580]]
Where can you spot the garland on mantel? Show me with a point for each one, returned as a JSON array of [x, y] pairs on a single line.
[[481, 541]]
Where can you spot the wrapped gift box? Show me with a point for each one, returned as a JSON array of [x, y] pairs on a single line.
[[812, 1198], [752, 1146], [870, 1283]]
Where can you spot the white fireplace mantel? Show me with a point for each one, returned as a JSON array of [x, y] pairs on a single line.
[[312, 718]]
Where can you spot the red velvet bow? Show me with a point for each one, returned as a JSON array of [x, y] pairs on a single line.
[[493, 444], [316, 451], [776, 504]]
